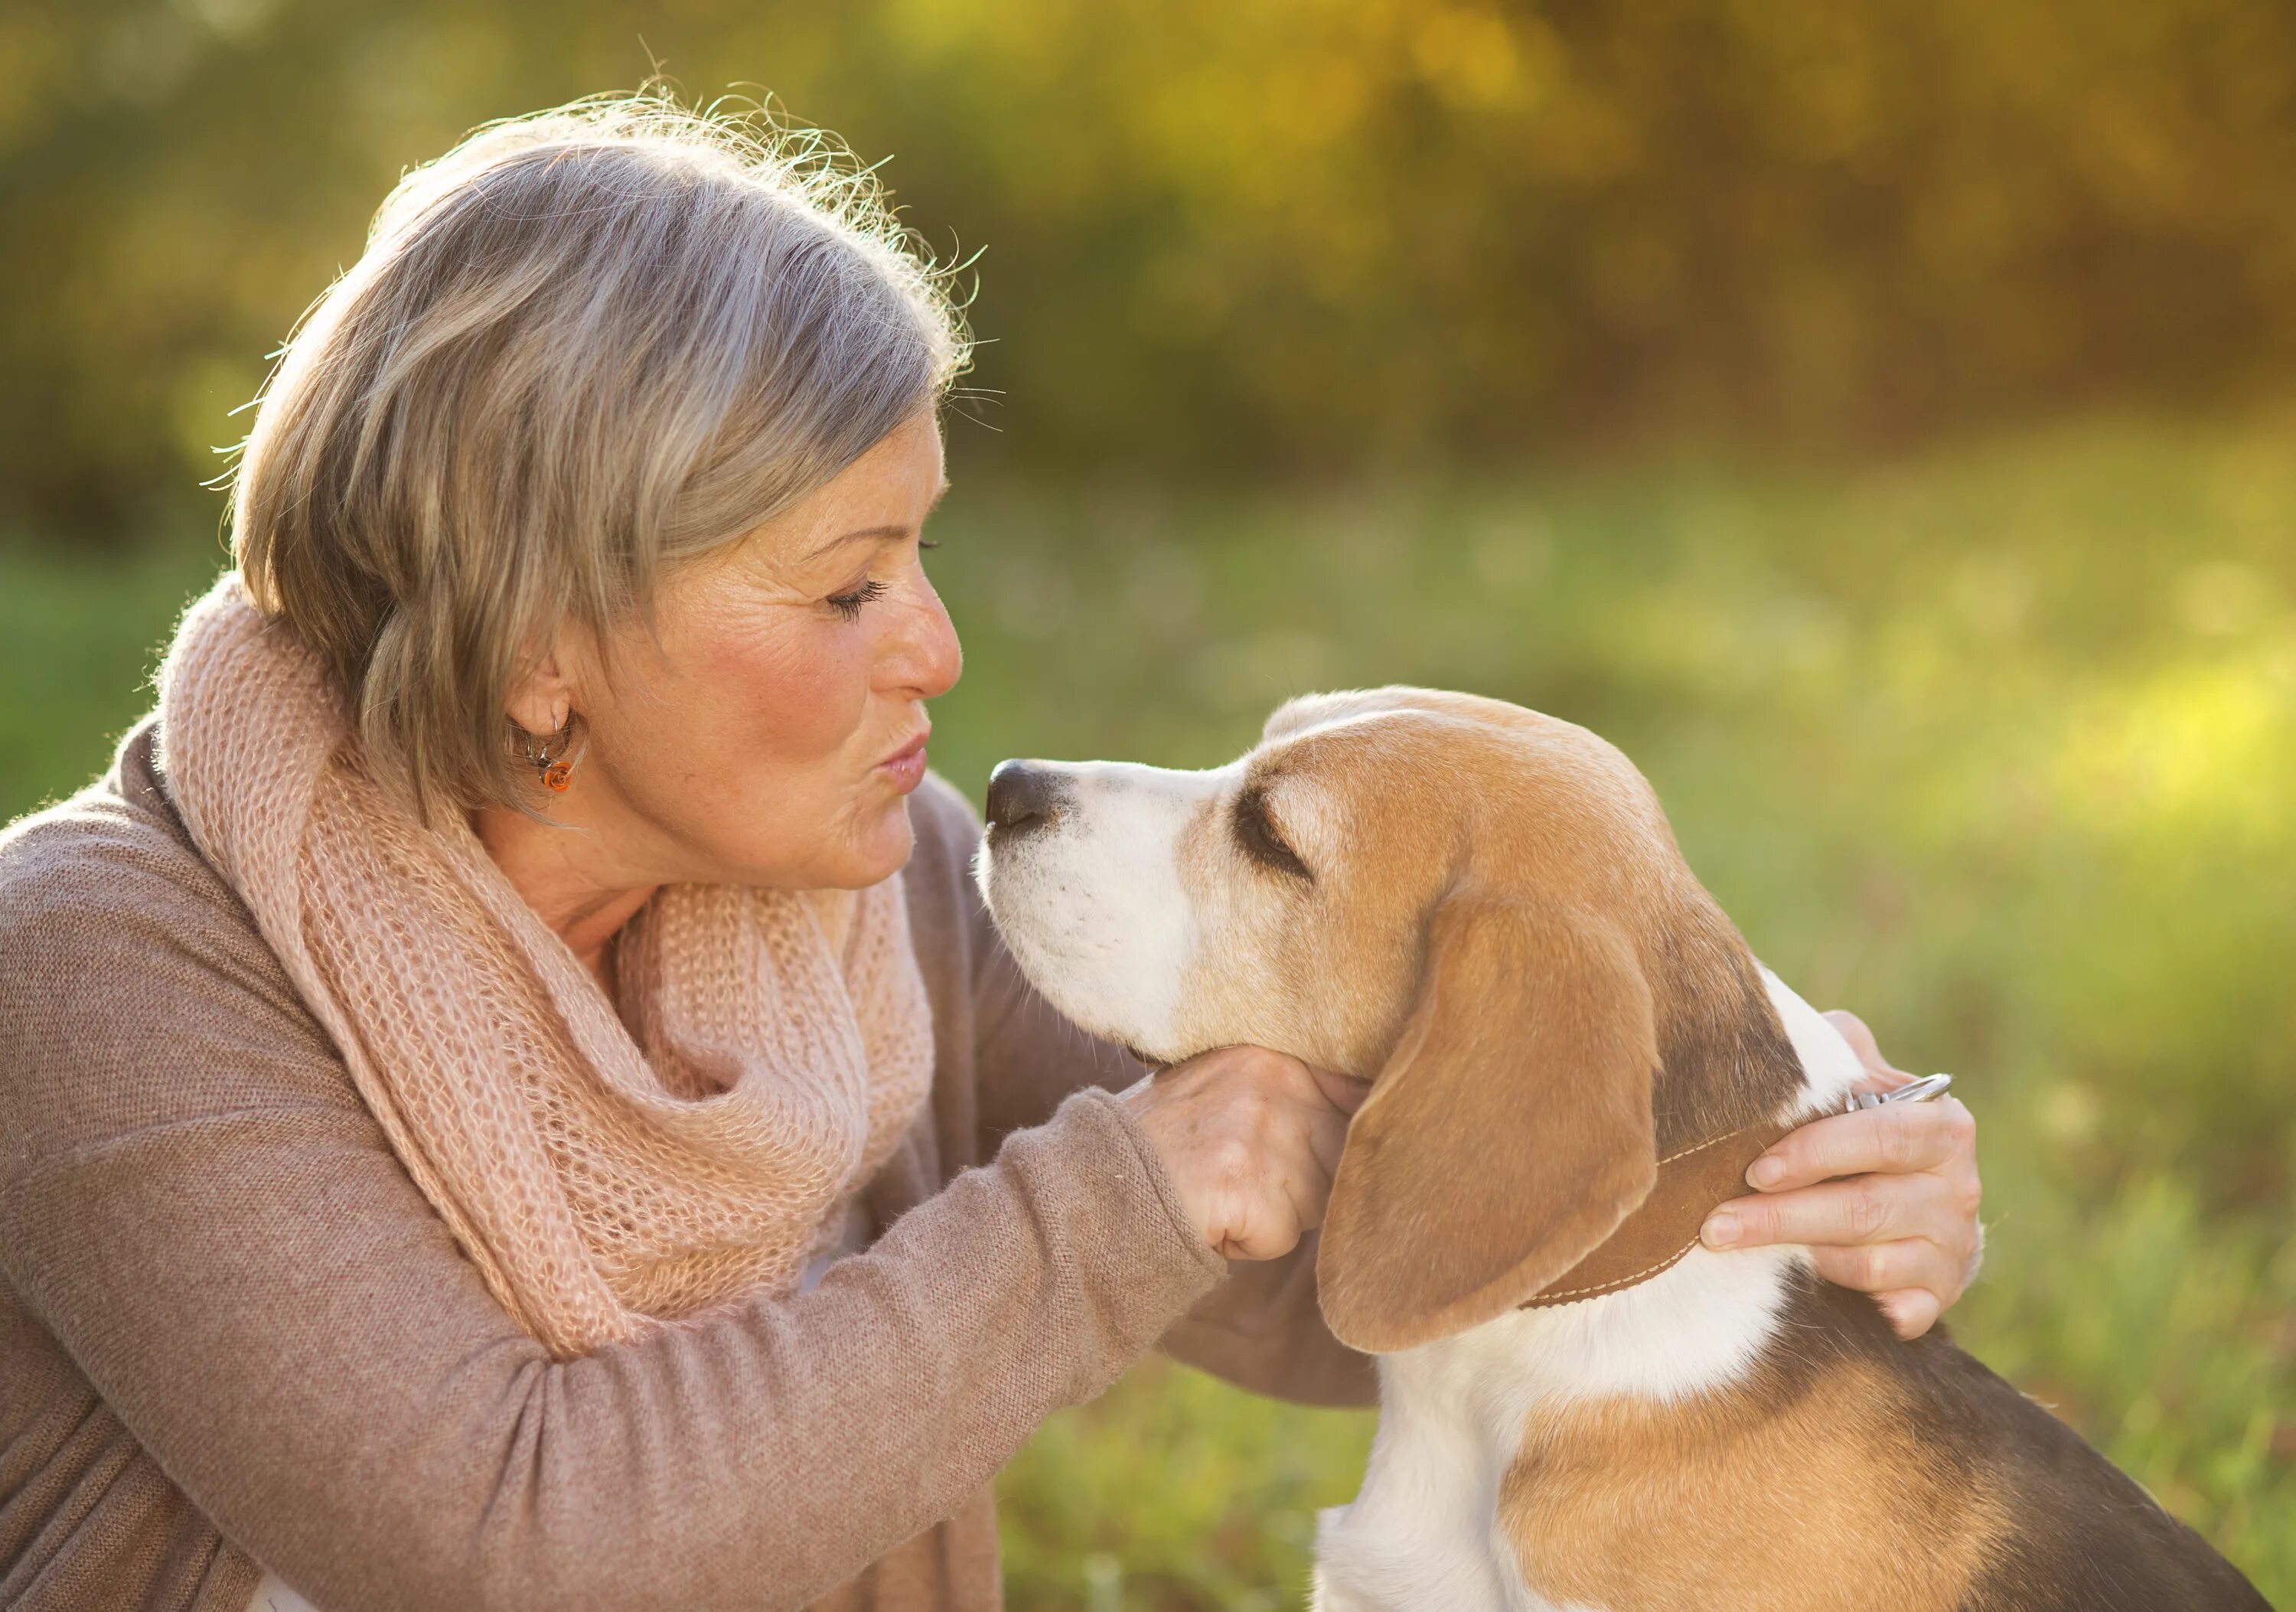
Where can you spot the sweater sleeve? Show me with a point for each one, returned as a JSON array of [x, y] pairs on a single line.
[[1263, 1329], [196, 1205]]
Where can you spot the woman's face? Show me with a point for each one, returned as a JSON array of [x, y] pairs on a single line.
[[767, 726]]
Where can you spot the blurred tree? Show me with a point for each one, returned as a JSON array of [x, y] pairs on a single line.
[[1222, 238]]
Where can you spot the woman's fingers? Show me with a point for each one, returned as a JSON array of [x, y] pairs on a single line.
[[1902, 1226], [1896, 1138], [1909, 1263], [1939, 1203], [1912, 1312], [1251, 1139], [1885, 1199], [1870, 1209], [1344, 1092], [1913, 1277]]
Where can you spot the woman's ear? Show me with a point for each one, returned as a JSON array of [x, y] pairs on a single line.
[[1508, 1135], [542, 695]]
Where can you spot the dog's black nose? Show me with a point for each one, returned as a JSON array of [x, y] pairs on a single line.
[[1022, 798]]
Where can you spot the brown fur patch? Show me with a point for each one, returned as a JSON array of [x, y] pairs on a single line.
[[1819, 1498], [1529, 1024], [1851, 1470], [1725, 1062]]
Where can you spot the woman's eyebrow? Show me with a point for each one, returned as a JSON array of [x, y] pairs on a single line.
[[876, 534]]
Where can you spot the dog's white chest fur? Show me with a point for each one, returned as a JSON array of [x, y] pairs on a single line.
[[1423, 1532]]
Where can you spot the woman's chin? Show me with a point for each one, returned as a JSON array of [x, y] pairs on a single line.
[[879, 848], [867, 848]]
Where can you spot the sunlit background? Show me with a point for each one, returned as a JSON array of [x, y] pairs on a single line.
[[1879, 419]]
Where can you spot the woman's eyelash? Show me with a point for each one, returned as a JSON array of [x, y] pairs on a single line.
[[848, 604]]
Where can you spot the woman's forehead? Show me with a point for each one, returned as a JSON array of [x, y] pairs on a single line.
[[884, 496]]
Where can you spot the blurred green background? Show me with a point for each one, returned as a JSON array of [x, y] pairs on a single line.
[[1881, 421]]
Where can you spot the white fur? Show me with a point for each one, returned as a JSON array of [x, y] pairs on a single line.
[[1423, 1531], [1092, 906], [1829, 1065]]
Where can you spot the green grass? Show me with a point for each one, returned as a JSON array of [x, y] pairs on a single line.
[[79, 634], [1997, 746]]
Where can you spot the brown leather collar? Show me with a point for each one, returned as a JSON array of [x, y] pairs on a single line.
[[1656, 1235]]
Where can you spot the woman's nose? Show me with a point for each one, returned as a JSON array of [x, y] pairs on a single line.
[[925, 659]]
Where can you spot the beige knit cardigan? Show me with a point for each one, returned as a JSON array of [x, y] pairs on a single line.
[[233, 1331]]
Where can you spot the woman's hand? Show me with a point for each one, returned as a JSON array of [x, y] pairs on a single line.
[[1250, 1139], [1903, 1228]]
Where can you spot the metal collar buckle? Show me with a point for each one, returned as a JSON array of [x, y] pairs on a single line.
[[1924, 1090]]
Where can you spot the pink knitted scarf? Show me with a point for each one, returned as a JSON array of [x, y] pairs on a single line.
[[603, 1176]]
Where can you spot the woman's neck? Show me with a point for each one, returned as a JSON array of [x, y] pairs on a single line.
[[558, 871]]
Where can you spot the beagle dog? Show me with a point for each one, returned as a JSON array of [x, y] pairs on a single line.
[[1572, 1056]]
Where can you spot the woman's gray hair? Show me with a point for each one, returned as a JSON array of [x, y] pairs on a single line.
[[580, 347]]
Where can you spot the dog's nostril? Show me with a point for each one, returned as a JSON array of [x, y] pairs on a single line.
[[1022, 798]]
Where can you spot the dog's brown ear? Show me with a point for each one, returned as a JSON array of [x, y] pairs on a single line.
[[1508, 1134]]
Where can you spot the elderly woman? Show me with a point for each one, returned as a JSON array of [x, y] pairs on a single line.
[[511, 1099]]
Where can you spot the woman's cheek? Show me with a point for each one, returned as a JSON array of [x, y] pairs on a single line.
[[807, 692]]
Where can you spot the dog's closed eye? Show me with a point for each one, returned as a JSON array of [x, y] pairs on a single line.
[[1262, 842]]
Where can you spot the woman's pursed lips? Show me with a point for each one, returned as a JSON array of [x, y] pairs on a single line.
[[905, 767]]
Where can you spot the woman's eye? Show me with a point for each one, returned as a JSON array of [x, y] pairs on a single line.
[[1256, 832], [849, 604]]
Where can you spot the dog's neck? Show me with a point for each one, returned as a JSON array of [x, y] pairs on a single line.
[[1731, 1082], [1728, 1060], [1664, 1228], [1699, 1322], [1454, 1414]]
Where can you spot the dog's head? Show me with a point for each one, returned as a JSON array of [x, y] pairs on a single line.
[[1476, 908]]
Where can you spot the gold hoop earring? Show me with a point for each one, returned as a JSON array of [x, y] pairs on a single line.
[[550, 754]]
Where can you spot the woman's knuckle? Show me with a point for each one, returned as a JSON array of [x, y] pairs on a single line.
[[1234, 1161], [1912, 1313], [1966, 1194], [1865, 1213], [1901, 1141], [1253, 1107], [1960, 1127], [1853, 1267]]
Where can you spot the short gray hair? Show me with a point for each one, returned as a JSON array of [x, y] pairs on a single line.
[[581, 346]]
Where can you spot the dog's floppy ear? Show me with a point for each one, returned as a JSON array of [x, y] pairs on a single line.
[[1508, 1134]]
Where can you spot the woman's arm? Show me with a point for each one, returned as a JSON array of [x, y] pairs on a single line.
[[196, 1205]]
